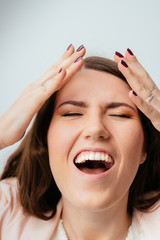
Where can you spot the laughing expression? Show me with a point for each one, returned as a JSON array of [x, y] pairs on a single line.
[[95, 141]]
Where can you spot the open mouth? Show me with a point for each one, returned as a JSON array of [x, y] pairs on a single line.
[[93, 162]]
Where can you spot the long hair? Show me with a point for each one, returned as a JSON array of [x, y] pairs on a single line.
[[38, 191]]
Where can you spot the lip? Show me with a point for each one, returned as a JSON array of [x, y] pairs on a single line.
[[93, 177]]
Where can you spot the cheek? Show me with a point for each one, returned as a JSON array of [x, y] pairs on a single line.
[[56, 138], [131, 137], [132, 148], [60, 136], [57, 145], [136, 141], [60, 141]]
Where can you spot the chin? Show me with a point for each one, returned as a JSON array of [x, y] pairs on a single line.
[[90, 202]]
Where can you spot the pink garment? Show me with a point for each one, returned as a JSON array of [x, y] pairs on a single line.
[[15, 225]]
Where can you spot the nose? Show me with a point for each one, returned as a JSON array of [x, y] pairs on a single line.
[[96, 129]]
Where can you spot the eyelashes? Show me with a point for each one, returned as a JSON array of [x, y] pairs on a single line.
[[121, 115], [112, 115], [71, 114]]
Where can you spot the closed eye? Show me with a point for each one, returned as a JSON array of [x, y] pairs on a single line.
[[71, 114], [112, 115], [120, 115]]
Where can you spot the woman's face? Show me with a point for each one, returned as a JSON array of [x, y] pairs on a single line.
[[94, 118]]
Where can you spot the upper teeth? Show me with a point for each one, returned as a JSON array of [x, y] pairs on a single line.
[[88, 155]]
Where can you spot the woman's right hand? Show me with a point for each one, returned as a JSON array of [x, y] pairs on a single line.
[[15, 121]]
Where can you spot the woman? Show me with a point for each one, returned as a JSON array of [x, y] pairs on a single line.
[[90, 163]]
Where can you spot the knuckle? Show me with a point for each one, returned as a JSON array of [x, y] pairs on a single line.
[[134, 59], [44, 87], [143, 75], [130, 73], [149, 110]]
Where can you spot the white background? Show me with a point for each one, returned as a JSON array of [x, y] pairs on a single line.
[[34, 33]]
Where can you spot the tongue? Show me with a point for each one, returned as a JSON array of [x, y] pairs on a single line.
[[92, 167], [93, 170]]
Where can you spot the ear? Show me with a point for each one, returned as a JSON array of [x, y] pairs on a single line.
[[144, 156]]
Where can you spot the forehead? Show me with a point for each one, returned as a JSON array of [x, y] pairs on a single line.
[[92, 85]]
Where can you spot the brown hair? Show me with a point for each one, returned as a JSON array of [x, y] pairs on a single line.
[[38, 191]]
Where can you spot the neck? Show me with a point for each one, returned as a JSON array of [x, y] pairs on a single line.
[[108, 224]]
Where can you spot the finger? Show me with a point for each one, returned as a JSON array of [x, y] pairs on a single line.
[[80, 52], [74, 67], [137, 68], [118, 57], [128, 74], [64, 62], [133, 62], [58, 81], [148, 109], [53, 84], [129, 58], [32, 98], [52, 71], [73, 63], [142, 78], [140, 82], [137, 84], [41, 93], [69, 51]]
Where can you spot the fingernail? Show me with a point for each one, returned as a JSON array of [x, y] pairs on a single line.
[[60, 70], [119, 54], [79, 58], [69, 47], [80, 48], [124, 63], [130, 52], [134, 92]]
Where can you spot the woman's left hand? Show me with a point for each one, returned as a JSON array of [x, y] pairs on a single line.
[[145, 94]]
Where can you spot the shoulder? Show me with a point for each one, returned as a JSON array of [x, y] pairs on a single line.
[[150, 221], [8, 183], [14, 223], [8, 192]]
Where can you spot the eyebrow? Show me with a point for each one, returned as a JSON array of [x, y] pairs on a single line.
[[84, 105]]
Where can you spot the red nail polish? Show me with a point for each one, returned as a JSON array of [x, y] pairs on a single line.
[[119, 54], [79, 58], [80, 48], [134, 92], [60, 70], [124, 63], [69, 47], [130, 52]]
